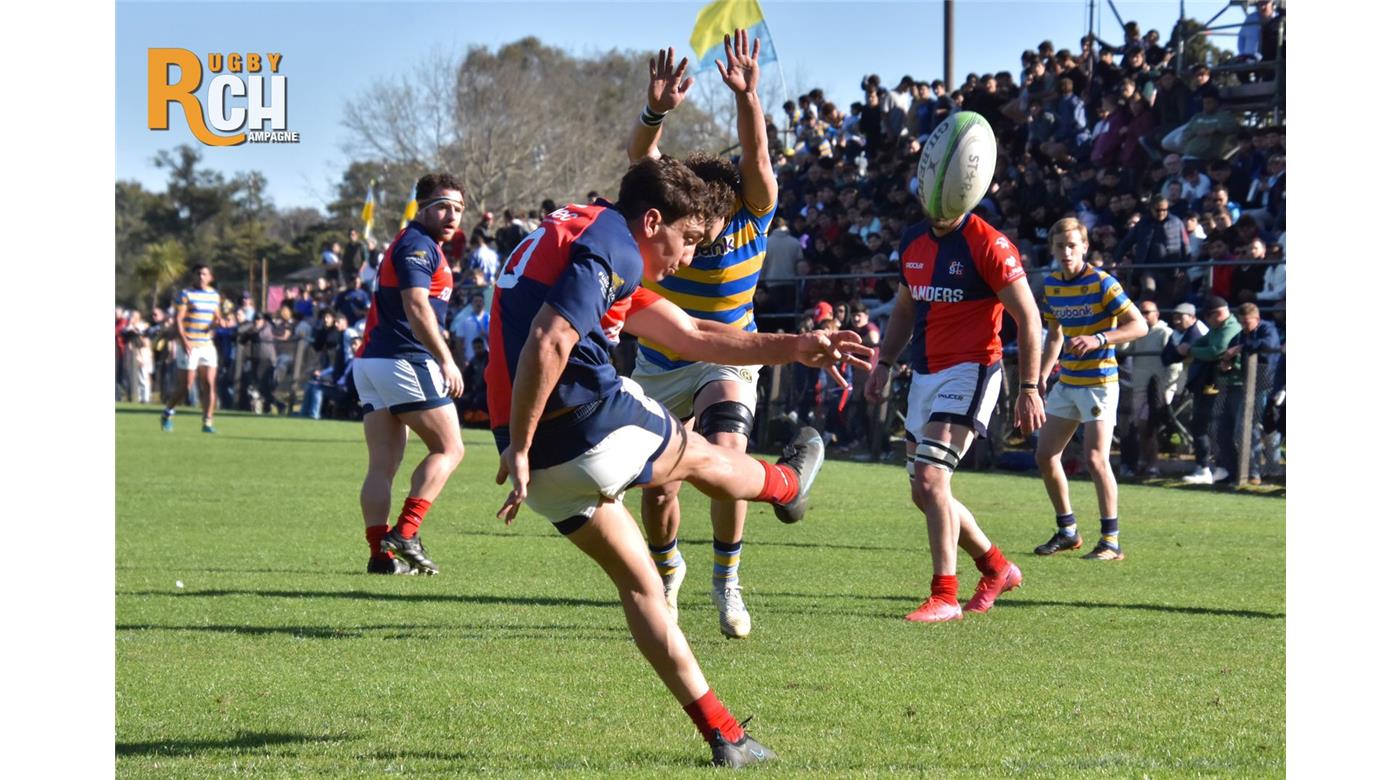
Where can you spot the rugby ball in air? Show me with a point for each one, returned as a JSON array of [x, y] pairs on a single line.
[[957, 164]]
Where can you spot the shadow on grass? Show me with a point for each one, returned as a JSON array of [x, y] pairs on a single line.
[[434, 631], [285, 440], [210, 570], [1012, 601], [704, 540], [1241, 613], [361, 595], [244, 741]]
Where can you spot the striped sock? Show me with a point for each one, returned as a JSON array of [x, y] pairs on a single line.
[[1108, 528], [667, 557], [726, 573], [1067, 524]]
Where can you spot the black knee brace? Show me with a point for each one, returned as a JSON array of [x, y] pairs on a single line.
[[726, 417]]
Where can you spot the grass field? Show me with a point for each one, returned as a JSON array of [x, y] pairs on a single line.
[[280, 657]]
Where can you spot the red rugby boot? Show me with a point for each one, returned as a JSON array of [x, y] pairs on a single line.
[[988, 588]]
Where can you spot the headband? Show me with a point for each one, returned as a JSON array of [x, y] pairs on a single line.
[[435, 201]]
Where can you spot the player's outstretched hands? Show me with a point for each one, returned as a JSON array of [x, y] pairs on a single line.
[[831, 351], [1030, 412], [669, 85], [740, 69], [452, 377], [515, 465]]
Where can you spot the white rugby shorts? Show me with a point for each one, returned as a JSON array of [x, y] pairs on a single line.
[[631, 431], [1084, 404], [676, 388], [201, 355], [965, 394], [399, 385]]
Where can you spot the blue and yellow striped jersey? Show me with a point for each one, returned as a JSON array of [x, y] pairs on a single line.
[[200, 306], [720, 281], [1087, 304]]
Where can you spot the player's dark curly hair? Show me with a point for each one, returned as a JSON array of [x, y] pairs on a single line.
[[434, 182], [672, 188], [715, 169]]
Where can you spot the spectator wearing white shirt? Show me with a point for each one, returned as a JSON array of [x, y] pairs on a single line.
[[472, 322], [482, 259]]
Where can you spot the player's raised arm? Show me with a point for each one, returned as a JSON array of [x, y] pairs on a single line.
[[666, 90], [666, 324], [894, 339], [740, 74], [1020, 302]]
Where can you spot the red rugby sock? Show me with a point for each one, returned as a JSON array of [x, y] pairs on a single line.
[[991, 563], [374, 534], [944, 587], [412, 516], [780, 484], [709, 714]]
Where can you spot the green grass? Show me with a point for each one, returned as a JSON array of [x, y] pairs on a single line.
[[279, 657]]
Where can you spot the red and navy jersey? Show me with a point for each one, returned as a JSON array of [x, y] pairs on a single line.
[[954, 281], [583, 262], [414, 259]]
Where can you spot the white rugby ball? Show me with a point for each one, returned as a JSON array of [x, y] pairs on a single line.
[[957, 165]]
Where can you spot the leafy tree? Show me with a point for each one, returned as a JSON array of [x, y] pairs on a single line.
[[160, 266], [526, 122], [1198, 48]]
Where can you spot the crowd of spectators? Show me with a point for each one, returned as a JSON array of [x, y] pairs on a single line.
[[1185, 205]]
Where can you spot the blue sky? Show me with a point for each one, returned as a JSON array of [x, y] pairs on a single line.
[[333, 50]]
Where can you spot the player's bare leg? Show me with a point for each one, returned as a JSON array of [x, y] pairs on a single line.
[[1098, 437], [951, 525], [610, 537], [438, 429], [385, 438], [179, 395], [206, 395], [1055, 436], [970, 536], [661, 518], [726, 519]]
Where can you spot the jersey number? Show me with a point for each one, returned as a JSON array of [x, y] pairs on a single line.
[[519, 258]]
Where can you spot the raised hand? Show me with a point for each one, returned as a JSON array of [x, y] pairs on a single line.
[[669, 85], [740, 70]]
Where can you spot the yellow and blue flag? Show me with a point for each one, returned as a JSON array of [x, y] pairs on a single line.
[[367, 212], [722, 18], [410, 209]]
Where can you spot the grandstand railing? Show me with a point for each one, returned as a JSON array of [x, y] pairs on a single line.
[[1036, 274]]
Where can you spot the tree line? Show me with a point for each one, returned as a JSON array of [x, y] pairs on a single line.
[[523, 123]]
